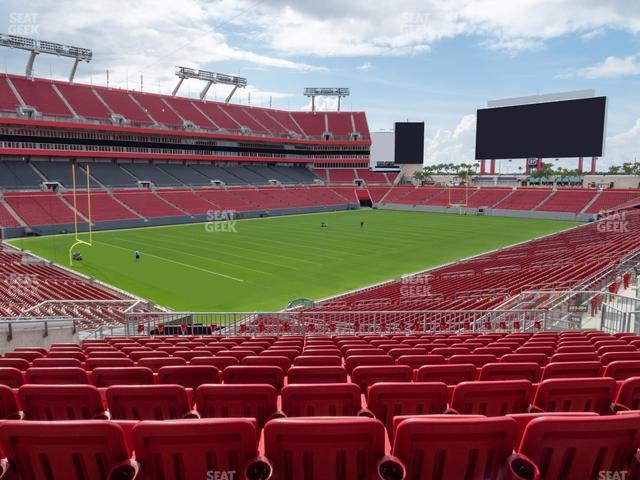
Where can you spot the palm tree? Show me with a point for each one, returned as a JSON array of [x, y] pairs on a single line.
[[615, 169]]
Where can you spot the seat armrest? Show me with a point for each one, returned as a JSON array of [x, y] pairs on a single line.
[[365, 412], [258, 468], [618, 407], [127, 470], [391, 468], [522, 468], [277, 414]]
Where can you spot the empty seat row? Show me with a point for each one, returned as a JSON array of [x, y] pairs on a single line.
[[441, 447]]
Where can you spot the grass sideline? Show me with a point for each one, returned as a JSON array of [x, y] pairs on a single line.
[[265, 263]]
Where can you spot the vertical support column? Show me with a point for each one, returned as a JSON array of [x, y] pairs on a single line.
[[593, 165], [580, 163], [527, 167], [539, 164], [482, 167], [492, 167]]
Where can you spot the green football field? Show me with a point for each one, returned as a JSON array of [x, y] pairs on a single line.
[[262, 264]]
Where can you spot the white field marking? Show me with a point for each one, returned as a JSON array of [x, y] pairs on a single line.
[[175, 262], [208, 259], [196, 239]]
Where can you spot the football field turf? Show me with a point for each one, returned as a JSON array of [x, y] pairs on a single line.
[[262, 264]]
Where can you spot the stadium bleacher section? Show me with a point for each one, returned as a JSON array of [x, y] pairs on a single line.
[[486, 281], [132, 420]]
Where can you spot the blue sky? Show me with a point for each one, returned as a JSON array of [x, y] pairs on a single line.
[[432, 60]]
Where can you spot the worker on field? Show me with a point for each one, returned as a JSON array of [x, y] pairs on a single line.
[[137, 255], [361, 224]]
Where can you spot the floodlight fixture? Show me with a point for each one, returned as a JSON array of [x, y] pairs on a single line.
[[51, 48], [325, 92], [210, 78]]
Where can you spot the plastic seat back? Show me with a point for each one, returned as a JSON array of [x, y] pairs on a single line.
[[511, 371], [61, 402], [108, 376], [629, 393], [237, 401], [572, 370], [622, 369], [447, 374], [578, 447], [316, 374], [193, 449], [359, 360], [57, 376], [326, 448], [321, 400], [148, 402], [9, 409], [387, 400], [492, 398], [366, 376], [92, 449], [189, 376], [11, 377], [576, 395], [270, 375], [455, 447]]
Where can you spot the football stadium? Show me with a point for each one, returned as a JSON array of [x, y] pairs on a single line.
[[210, 269]]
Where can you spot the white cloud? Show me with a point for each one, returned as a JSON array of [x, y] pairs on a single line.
[[611, 67], [453, 146], [365, 66], [623, 147]]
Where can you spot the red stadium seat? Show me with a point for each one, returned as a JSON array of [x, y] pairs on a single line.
[[56, 362], [523, 419], [474, 359], [279, 361], [460, 447], [148, 402], [19, 363], [366, 375], [387, 400], [56, 376], [270, 375], [574, 357], [321, 400], [195, 449], [108, 376], [9, 409], [607, 358], [574, 447], [138, 355], [93, 363], [417, 361], [250, 401], [329, 448], [539, 358], [11, 377], [359, 360], [511, 371], [628, 395], [317, 374], [575, 395], [92, 449], [189, 376], [492, 398], [447, 374], [67, 354], [572, 370], [61, 402], [317, 361], [156, 363], [622, 369], [219, 362]]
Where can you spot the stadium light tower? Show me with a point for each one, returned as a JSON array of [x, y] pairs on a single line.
[[51, 48], [210, 78], [325, 92]]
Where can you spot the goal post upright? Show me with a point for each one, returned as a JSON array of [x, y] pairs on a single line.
[[77, 239]]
